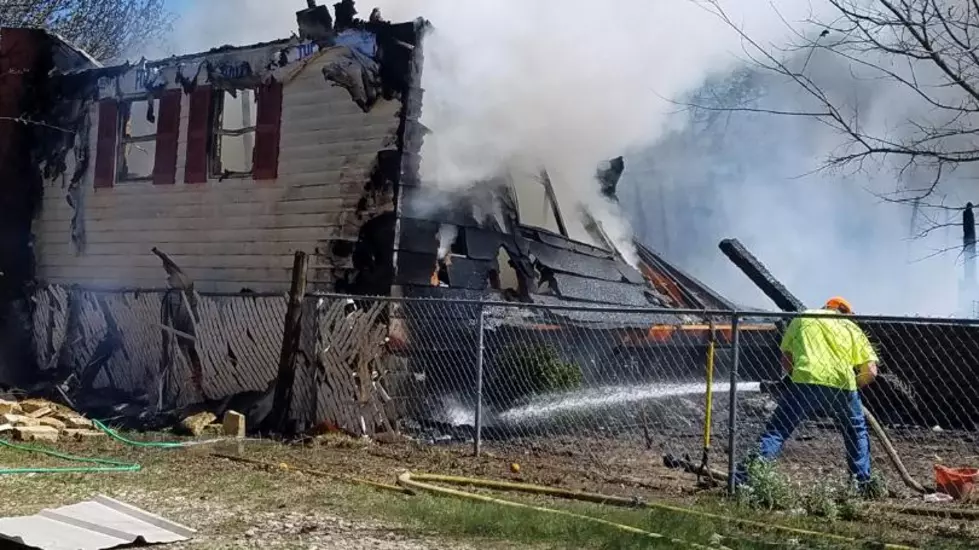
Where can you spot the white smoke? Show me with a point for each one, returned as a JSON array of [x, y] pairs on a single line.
[[567, 84], [563, 84], [447, 237], [823, 233]]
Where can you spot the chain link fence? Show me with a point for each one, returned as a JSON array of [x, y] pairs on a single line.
[[616, 388]]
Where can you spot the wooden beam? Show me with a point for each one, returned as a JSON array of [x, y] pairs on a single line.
[[282, 401]]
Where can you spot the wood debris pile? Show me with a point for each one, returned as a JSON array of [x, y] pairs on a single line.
[[41, 420]]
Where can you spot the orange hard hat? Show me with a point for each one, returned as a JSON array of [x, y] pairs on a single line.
[[839, 304]]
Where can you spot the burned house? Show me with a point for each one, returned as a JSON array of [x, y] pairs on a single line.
[[222, 164]]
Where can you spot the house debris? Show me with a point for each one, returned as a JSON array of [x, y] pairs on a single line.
[[40, 420], [221, 165]]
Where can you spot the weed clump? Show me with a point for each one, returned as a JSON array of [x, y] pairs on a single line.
[[767, 488], [524, 371]]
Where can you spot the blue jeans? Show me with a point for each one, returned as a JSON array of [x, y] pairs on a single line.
[[800, 401]]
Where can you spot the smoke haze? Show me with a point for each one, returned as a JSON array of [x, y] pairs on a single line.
[[567, 84]]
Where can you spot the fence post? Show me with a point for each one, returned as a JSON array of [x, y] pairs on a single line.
[[478, 438], [732, 460], [292, 331]]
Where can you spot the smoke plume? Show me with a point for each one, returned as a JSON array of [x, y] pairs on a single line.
[[512, 86], [759, 177]]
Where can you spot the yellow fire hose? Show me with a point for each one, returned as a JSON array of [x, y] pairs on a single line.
[[417, 482], [409, 483]]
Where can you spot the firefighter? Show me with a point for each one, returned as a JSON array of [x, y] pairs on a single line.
[[827, 359]]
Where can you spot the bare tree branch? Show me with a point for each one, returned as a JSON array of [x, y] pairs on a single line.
[[106, 29], [926, 49]]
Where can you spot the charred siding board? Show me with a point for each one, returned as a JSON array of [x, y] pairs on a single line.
[[562, 242], [434, 205], [237, 232], [419, 236], [415, 269], [470, 274], [630, 273], [593, 290], [583, 316], [482, 244], [563, 260]]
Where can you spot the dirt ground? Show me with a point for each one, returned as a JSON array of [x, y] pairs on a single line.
[[241, 506]]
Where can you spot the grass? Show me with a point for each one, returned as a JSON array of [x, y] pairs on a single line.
[[227, 501]]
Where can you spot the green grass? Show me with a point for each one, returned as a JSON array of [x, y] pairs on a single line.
[[179, 483], [463, 519]]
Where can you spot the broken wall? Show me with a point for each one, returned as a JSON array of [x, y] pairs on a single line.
[[329, 163], [116, 352], [25, 58]]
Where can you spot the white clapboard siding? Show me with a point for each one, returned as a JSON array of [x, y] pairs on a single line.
[[233, 233]]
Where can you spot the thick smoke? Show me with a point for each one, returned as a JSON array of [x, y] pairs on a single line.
[[513, 85], [751, 175]]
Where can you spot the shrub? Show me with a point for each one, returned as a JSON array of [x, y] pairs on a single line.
[[523, 371], [824, 500], [766, 488], [876, 488]]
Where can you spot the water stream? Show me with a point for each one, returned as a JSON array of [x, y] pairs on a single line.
[[588, 400], [584, 401]]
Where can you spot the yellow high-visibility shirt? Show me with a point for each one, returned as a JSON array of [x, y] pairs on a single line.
[[825, 350]]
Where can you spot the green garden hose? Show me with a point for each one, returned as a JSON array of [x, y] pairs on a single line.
[[102, 465], [155, 444]]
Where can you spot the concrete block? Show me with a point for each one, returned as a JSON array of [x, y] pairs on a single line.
[[234, 424], [196, 424], [19, 420], [39, 413], [36, 433], [10, 407], [84, 435], [75, 422], [52, 423]]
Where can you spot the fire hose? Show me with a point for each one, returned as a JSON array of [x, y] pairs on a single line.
[[892, 453], [410, 483]]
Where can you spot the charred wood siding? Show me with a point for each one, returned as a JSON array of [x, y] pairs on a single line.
[[232, 233], [23, 54]]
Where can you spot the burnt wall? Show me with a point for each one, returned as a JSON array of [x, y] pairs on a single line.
[[399, 70], [25, 61]]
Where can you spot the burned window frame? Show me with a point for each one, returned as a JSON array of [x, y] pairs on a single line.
[[124, 106], [550, 200], [216, 131]]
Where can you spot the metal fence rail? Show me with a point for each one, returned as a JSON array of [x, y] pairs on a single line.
[[613, 388]]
